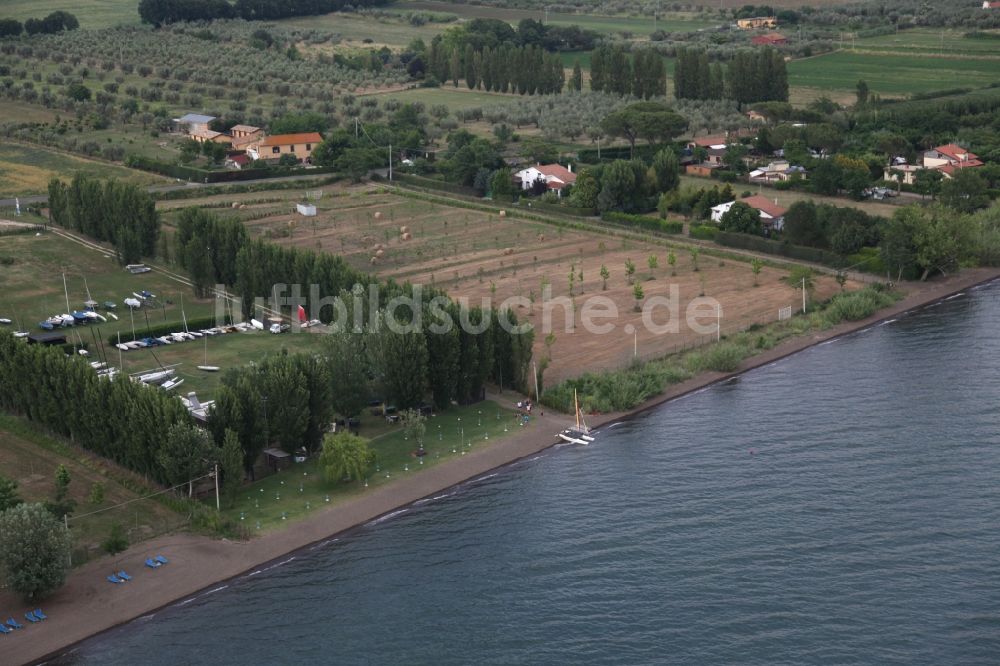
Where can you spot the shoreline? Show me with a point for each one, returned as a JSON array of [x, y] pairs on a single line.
[[87, 605]]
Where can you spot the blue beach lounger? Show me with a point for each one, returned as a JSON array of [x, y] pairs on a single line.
[[124, 576], [30, 617], [152, 564], [40, 615], [14, 624], [4, 629], [161, 559], [114, 579]]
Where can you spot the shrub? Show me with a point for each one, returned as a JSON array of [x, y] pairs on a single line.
[[116, 541], [703, 231], [856, 305]]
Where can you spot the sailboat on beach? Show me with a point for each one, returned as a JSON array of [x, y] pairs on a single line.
[[579, 433]]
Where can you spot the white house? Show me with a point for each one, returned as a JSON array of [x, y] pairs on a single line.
[[556, 176], [771, 214], [775, 172]]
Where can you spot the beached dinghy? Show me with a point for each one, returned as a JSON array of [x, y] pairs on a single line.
[[579, 433]]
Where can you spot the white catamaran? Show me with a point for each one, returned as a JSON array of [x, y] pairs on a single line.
[[579, 433]]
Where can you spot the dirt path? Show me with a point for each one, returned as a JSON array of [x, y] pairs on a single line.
[[88, 604]]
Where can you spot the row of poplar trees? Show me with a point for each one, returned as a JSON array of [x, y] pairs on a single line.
[[759, 75], [118, 419], [527, 70], [642, 74], [119, 213]]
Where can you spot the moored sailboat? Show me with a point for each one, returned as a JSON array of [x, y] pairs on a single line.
[[579, 433]]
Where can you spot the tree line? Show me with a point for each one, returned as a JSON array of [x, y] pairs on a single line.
[[527, 70], [118, 419], [757, 75], [160, 12], [55, 22], [643, 74], [120, 213]]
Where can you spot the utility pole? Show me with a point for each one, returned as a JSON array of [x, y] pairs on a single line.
[[390, 162], [718, 322], [215, 475], [803, 295], [355, 128], [534, 367]]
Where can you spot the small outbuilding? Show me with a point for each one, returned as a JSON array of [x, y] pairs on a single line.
[[306, 209]]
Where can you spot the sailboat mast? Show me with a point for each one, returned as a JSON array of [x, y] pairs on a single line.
[[65, 292], [576, 405]]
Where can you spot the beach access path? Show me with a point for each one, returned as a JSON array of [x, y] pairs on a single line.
[[88, 604]]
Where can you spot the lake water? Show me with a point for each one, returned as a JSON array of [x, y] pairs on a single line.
[[839, 507]]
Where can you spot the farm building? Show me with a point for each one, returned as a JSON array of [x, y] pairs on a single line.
[[193, 122], [306, 209], [274, 147], [775, 172], [703, 170], [207, 135], [771, 214], [556, 176], [757, 22]]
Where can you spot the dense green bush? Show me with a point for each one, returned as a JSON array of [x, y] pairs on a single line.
[[856, 305], [703, 231]]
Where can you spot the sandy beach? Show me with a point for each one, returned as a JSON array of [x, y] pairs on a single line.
[[88, 604]]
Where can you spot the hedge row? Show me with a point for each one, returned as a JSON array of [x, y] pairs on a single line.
[[195, 174], [644, 222], [780, 248], [157, 330], [197, 192], [703, 231], [432, 184]]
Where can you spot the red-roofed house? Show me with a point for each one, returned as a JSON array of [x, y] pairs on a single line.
[[556, 176], [990, 5], [770, 39], [771, 214], [274, 147], [950, 155]]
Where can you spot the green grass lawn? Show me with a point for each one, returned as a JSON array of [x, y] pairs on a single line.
[[891, 75], [90, 13], [27, 169], [295, 492], [930, 41]]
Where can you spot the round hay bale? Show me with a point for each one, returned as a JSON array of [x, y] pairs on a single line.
[[236, 204], [379, 253], [242, 206], [403, 229], [407, 236], [503, 213], [508, 251], [378, 215], [372, 260]]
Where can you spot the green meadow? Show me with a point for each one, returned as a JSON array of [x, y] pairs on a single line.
[[90, 13], [891, 75]]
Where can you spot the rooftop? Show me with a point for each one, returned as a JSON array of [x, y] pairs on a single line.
[[764, 205], [286, 139], [195, 118]]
